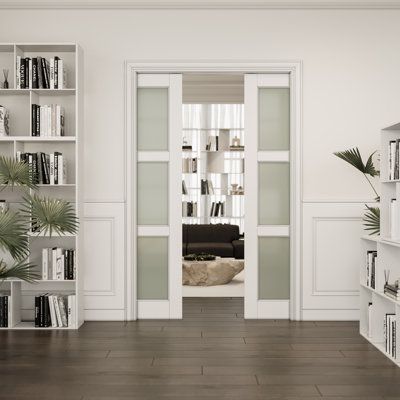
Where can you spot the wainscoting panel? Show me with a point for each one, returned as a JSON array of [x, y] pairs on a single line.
[[104, 261], [332, 255]]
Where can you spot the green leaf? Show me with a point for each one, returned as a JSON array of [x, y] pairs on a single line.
[[49, 215], [19, 270], [353, 157], [372, 220], [13, 233], [15, 173]]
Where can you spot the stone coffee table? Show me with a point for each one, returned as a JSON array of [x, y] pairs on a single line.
[[209, 273]]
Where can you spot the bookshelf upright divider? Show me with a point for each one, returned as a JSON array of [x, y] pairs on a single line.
[[379, 310], [21, 139]]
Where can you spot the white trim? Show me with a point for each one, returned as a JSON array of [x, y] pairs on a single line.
[[152, 230], [105, 315], [153, 309], [193, 5], [330, 315], [273, 230], [151, 80], [273, 309], [273, 156], [293, 68], [149, 156], [273, 80]]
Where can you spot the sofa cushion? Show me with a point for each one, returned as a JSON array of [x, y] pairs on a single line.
[[238, 246], [219, 233], [217, 249]]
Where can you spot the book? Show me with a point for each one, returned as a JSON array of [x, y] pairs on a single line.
[[4, 121], [71, 310], [35, 81], [40, 73], [18, 77], [63, 311], [45, 264]]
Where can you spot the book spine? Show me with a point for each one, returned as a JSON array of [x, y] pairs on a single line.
[[30, 74], [2, 319], [45, 264], [58, 313], [37, 311], [40, 73], [41, 311], [63, 311], [56, 72], [45, 74], [22, 73], [35, 83], [6, 311], [52, 169], [51, 73], [18, 77]]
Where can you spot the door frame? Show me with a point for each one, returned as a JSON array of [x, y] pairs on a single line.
[[132, 69]]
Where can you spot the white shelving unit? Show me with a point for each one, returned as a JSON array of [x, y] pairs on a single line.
[[19, 102], [223, 167], [388, 258]]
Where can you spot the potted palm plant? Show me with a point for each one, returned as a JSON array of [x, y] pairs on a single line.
[[36, 215], [353, 157]]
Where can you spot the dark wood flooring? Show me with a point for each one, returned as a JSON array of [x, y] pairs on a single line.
[[213, 353]]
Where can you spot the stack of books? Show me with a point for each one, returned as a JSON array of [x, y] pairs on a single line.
[[371, 267], [392, 291], [206, 187], [393, 159], [54, 310], [389, 334], [39, 73], [58, 264], [46, 169], [189, 165], [189, 209], [47, 120], [5, 310], [217, 209]]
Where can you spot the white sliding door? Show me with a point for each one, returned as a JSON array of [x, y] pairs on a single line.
[[268, 194], [158, 195]]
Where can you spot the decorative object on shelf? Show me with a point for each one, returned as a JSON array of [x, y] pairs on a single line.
[[199, 257], [353, 157], [4, 121], [5, 83], [236, 144], [236, 189], [386, 273], [185, 145]]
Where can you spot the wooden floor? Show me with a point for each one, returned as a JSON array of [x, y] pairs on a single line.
[[212, 354]]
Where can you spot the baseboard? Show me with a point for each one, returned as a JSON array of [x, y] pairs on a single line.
[[273, 309], [330, 315], [104, 315], [153, 309]]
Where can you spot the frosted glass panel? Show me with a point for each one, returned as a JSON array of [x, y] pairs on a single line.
[[273, 193], [152, 268], [152, 114], [274, 119], [274, 268], [152, 187]]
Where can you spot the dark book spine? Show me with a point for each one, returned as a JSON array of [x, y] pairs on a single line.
[[5, 313], [65, 255], [33, 130], [45, 73], [37, 311], [22, 73], [41, 311], [46, 179], [56, 154], [35, 82], [39, 167], [40, 73], [38, 120], [1, 312], [27, 72], [35, 172], [47, 319], [56, 72]]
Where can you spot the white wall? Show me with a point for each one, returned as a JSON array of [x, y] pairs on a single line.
[[351, 89]]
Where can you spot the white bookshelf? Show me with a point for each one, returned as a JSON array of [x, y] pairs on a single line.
[[388, 258], [223, 167], [19, 102]]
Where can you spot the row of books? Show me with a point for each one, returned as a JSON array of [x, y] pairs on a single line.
[[189, 209], [5, 310], [217, 209], [39, 73], [54, 310], [392, 291], [206, 187], [212, 143], [371, 267], [58, 264], [189, 165], [47, 120], [393, 159], [389, 334], [4, 121], [394, 222], [47, 169]]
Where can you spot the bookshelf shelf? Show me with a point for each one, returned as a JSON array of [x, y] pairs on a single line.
[[20, 103], [377, 308]]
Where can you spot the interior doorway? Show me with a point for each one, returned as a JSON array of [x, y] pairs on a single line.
[[271, 177]]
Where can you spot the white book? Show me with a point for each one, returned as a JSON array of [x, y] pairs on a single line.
[[60, 264], [392, 158], [51, 172], [58, 312], [58, 120], [62, 75], [45, 264], [30, 73], [48, 120], [52, 73], [370, 320], [18, 156], [71, 311], [394, 219], [53, 120], [18, 77], [41, 122], [63, 311], [62, 170], [54, 262], [53, 316]]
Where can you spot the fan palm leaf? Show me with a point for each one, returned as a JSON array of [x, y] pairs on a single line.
[[49, 215], [15, 173], [13, 233], [372, 220], [353, 157], [19, 270]]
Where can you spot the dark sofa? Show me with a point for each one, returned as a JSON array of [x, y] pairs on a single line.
[[218, 239]]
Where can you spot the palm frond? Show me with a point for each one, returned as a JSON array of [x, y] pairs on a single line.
[[372, 220], [15, 173], [353, 157], [49, 215], [19, 270], [13, 233]]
